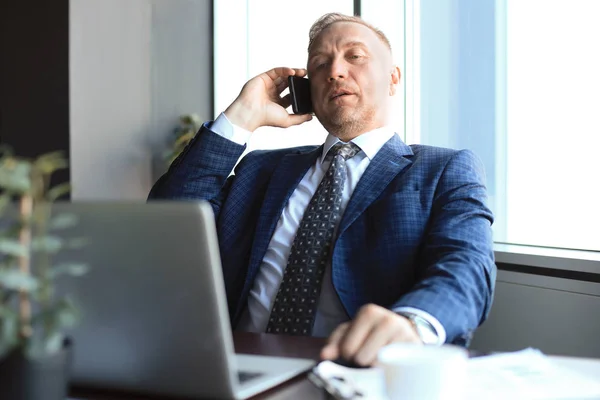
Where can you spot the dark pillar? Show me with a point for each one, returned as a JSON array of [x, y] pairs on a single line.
[[34, 77]]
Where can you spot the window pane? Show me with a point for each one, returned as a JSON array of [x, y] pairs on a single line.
[[553, 128], [517, 82], [458, 87]]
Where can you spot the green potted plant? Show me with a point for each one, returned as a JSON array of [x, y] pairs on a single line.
[[189, 124], [34, 351]]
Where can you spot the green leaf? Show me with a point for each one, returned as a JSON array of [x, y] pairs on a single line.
[[15, 175], [6, 151], [9, 320], [68, 318], [9, 330], [4, 201], [63, 314], [44, 292], [63, 221], [8, 297], [50, 162], [190, 119], [54, 342], [13, 247], [58, 191], [49, 244], [16, 280], [11, 233], [52, 322], [73, 269], [184, 140]]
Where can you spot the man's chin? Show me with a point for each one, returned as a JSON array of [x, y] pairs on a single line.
[[341, 127], [342, 116]]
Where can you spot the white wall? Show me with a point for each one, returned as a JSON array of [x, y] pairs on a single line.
[[181, 63], [135, 66], [110, 98]]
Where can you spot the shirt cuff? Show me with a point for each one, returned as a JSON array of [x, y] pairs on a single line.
[[439, 329], [223, 127]]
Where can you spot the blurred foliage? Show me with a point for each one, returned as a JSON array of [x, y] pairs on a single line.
[[32, 318], [189, 125]]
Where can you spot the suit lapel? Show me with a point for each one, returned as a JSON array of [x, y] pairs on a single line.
[[384, 167], [285, 179]]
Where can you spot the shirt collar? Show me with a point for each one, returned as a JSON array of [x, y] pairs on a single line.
[[369, 142]]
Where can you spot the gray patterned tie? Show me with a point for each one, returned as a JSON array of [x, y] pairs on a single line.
[[296, 301]]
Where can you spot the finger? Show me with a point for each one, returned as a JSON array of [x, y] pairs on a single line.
[[283, 72], [276, 80], [382, 334], [331, 349], [296, 119], [282, 85], [277, 74], [285, 101], [366, 319], [301, 72]]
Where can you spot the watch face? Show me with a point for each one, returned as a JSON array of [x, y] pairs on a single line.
[[427, 336], [425, 331]]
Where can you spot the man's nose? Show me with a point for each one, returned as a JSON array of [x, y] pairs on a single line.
[[337, 71]]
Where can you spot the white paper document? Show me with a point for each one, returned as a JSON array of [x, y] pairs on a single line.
[[526, 374]]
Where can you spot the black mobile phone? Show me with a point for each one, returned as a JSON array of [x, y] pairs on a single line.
[[300, 95]]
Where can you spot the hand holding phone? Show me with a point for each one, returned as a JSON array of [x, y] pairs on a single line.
[[300, 95]]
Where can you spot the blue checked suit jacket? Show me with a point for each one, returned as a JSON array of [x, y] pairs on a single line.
[[416, 231]]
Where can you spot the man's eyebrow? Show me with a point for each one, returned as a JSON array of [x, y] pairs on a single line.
[[314, 54], [354, 43]]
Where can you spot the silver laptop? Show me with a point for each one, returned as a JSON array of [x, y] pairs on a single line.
[[155, 316]]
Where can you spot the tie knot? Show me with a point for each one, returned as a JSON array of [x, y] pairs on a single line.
[[346, 150]]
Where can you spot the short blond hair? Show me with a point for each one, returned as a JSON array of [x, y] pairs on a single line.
[[331, 18]]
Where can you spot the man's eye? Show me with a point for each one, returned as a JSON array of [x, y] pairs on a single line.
[[355, 56]]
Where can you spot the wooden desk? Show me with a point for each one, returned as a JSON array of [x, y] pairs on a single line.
[[305, 347], [250, 343], [283, 346]]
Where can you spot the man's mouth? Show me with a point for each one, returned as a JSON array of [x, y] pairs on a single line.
[[339, 93]]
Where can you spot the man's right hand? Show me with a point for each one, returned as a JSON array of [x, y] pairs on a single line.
[[260, 104]]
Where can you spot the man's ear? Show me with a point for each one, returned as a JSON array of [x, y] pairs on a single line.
[[394, 80]]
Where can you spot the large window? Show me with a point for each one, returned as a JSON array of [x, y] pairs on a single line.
[[553, 123], [516, 81]]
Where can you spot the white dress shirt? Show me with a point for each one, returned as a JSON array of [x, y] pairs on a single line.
[[330, 311]]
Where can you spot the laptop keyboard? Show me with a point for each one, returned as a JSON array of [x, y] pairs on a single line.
[[245, 376]]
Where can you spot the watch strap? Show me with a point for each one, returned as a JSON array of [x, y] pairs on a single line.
[[424, 329]]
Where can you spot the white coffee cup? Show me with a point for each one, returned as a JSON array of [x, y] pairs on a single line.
[[415, 371]]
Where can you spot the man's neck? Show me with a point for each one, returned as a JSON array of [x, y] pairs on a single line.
[[348, 136]]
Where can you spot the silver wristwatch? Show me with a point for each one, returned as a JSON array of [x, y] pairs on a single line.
[[425, 330]]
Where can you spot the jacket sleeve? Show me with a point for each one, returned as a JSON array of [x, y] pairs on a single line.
[[456, 270], [201, 171]]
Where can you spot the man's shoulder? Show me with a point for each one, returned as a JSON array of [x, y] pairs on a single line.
[[265, 157], [281, 152], [426, 152], [433, 157]]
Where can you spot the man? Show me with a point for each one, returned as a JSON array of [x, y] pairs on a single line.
[[363, 239]]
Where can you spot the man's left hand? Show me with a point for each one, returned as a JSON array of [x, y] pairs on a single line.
[[359, 340]]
